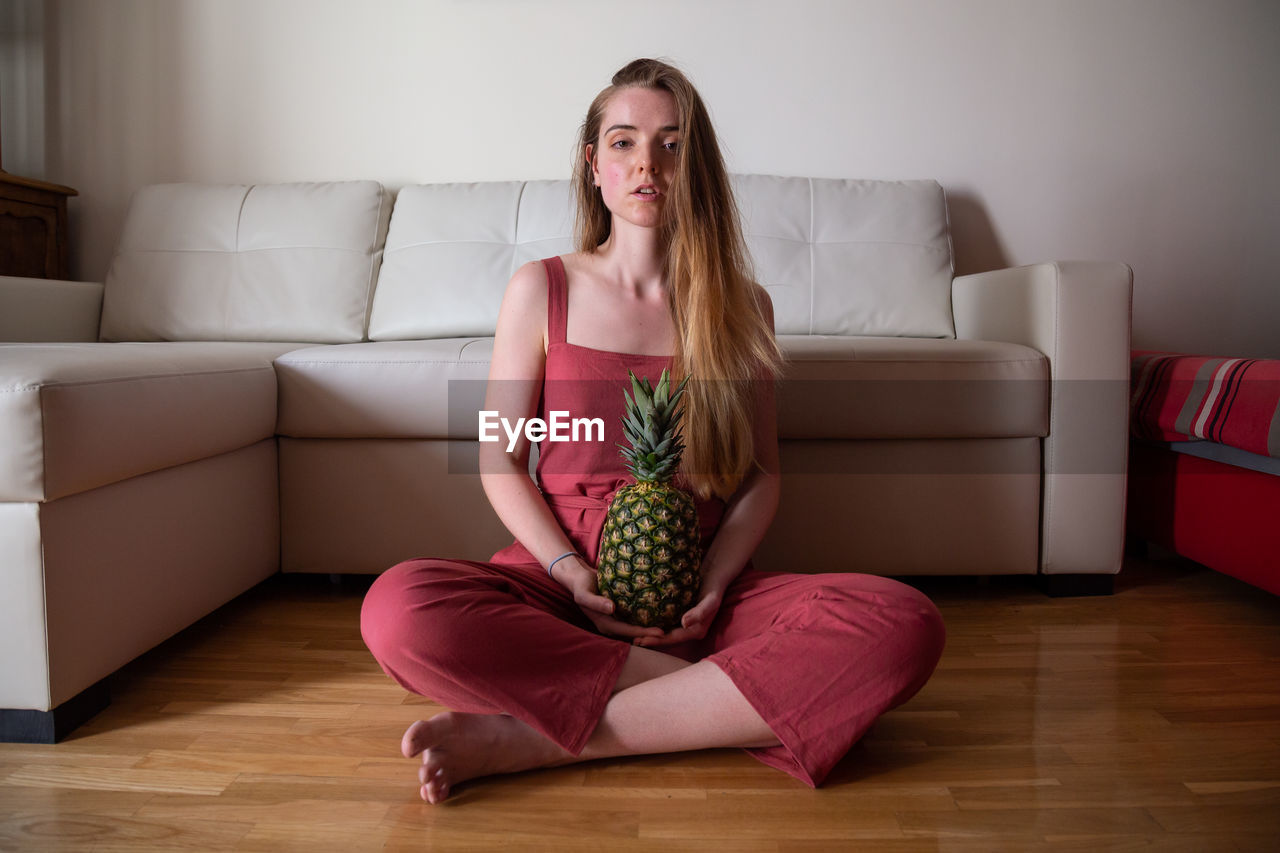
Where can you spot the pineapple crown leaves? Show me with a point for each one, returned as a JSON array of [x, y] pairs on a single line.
[[650, 426]]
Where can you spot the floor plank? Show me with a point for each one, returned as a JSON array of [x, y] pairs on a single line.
[[1146, 720]]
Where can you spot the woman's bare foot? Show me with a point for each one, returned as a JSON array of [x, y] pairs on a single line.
[[456, 747]]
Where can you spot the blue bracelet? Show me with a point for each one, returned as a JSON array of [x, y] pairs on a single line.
[[561, 557]]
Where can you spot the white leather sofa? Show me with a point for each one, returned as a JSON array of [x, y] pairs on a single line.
[[286, 378]]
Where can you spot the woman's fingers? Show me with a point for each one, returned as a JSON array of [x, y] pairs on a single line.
[[600, 609], [591, 601], [695, 617], [609, 625], [618, 628], [701, 613], [693, 626], [679, 635], [582, 583]]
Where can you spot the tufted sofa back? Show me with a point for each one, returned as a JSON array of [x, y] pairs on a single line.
[[839, 257], [334, 263], [845, 257], [452, 248], [272, 262]]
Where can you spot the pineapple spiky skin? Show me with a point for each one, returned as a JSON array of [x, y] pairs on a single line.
[[650, 554], [650, 551]]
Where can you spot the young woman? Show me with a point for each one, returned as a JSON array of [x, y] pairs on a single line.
[[792, 667]]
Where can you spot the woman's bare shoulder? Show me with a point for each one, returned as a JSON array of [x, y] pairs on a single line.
[[532, 275], [527, 290], [578, 265], [531, 278], [520, 336]]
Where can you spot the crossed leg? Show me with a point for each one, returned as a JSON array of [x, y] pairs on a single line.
[[661, 704], [822, 656]]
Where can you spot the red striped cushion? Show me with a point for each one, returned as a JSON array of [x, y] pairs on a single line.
[[1234, 401]]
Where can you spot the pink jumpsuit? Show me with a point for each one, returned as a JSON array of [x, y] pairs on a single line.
[[819, 656]]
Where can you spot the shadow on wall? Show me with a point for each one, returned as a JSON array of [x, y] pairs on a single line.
[[140, 115], [973, 239]]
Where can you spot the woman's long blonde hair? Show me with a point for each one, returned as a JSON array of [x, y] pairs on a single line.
[[723, 338]]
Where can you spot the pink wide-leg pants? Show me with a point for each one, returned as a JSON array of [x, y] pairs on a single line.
[[819, 657]]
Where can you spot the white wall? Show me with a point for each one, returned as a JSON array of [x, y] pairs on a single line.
[[1139, 130]]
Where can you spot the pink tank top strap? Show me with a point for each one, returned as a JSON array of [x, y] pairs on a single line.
[[557, 300]]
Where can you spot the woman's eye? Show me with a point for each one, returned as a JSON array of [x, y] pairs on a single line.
[[672, 146], [619, 142]]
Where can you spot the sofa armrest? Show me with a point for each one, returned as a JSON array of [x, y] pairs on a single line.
[[1078, 314], [49, 310]]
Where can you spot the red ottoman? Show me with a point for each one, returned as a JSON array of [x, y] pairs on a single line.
[[1204, 472]]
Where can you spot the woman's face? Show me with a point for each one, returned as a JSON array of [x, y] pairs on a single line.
[[637, 148]]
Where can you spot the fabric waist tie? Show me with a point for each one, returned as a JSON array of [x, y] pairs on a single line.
[[709, 512], [577, 501]]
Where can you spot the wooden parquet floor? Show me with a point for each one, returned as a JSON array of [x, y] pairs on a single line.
[[1146, 720]]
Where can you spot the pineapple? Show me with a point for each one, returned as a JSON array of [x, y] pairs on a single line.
[[650, 548]]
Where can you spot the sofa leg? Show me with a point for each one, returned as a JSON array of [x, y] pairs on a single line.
[[1063, 586], [350, 583], [1136, 547], [25, 726]]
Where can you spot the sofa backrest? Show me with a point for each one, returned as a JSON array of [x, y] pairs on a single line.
[[299, 262], [839, 257], [273, 262], [848, 257], [452, 248]]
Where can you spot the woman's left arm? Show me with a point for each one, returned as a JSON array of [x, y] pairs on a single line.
[[746, 518], [752, 507]]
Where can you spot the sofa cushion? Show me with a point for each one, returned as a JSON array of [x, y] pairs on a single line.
[[392, 389], [845, 257], [876, 387], [838, 257], [836, 387], [274, 262], [452, 248], [79, 416]]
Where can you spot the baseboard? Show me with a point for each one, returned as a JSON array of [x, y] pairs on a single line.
[[26, 726], [1065, 586]]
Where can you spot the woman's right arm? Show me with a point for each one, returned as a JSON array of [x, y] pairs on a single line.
[[514, 388]]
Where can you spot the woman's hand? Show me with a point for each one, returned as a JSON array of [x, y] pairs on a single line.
[[693, 625], [579, 578]]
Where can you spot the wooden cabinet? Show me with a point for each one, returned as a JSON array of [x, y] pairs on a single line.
[[33, 227]]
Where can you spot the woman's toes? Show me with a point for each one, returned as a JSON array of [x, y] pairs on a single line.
[[432, 778], [435, 791], [415, 739]]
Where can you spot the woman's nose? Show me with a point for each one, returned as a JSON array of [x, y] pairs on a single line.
[[648, 160]]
